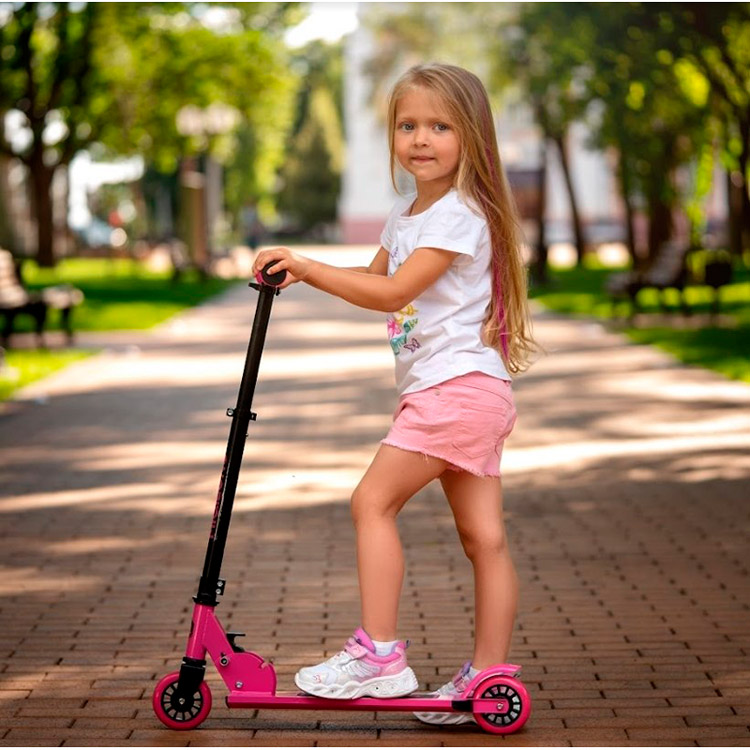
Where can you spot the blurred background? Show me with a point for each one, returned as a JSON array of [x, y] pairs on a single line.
[[167, 141]]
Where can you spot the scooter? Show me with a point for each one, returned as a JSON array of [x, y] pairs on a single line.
[[496, 697]]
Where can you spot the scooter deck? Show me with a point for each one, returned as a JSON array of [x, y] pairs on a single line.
[[412, 702]]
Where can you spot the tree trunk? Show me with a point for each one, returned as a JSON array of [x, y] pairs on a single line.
[[8, 235], [8, 238], [574, 213], [659, 223], [41, 183], [629, 215], [734, 212], [623, 178], [630, 230], [743, 158], [540, 258]]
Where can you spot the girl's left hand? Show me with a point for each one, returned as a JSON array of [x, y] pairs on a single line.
[[295, 265]]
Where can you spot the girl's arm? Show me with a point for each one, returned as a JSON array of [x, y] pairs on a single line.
[[378, 266], [372, 290]]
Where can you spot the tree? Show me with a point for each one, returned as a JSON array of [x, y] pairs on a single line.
[[7, 235], [118, 73], [46, 68], [715, 38], [542, 50], [644, 106], [311, 173]]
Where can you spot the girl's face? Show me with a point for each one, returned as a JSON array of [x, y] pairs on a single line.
[[425, 142]]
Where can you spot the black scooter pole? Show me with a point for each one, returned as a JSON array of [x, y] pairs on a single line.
[[211, 586]]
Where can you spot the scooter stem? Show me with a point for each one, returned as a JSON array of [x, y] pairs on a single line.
[[210, 586]]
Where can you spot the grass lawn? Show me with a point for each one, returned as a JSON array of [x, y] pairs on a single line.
[[119, 295], [695, 340], [25, 366]]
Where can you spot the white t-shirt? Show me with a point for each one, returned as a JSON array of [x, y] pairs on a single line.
[[438, 335]]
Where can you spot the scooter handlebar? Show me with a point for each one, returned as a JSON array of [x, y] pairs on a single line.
[[270, 279]]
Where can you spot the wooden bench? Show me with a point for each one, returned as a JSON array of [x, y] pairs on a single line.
[[669, 270], [15, 300]]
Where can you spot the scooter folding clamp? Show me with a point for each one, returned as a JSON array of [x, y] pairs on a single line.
[[231, 637], [231, 411]]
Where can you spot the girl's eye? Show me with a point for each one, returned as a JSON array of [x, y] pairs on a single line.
[[442, 127], [406, 126]]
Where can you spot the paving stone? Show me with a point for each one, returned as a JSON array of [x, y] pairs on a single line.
[[632, 626]]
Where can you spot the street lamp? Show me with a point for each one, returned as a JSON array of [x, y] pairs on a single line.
[[202, 189]]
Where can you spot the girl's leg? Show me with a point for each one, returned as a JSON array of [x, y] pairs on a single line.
[[477, 503], [393, 477]]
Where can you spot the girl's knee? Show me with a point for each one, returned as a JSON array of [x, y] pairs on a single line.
[[367, 502], [483, 542]]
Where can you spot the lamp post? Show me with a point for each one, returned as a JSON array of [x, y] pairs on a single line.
[[200, 183]]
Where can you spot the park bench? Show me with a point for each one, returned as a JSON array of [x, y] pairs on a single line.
[[669, 270], [15, 300]]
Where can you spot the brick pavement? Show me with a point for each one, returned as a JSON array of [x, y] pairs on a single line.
[[626, 484]]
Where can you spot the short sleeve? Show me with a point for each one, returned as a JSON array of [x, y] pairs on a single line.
[[454, 227], [389, 230]]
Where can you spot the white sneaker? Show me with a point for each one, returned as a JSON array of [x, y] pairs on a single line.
[[358, 671], [452, 689]]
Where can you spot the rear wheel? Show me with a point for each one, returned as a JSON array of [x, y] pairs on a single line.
[[513, 701], [178, 710]]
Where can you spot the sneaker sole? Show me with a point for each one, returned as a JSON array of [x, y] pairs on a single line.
[[393, 686], [445, 718]]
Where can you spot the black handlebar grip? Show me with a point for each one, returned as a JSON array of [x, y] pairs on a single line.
[[271, 279]]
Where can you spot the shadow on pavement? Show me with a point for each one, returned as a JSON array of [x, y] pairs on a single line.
[[626, 490]]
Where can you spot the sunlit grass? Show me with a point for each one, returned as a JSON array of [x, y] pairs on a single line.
[[120, 294], [22, 366], [724, 348]]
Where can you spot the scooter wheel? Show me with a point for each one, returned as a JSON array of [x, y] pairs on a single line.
[[178, 711], [511, 692]]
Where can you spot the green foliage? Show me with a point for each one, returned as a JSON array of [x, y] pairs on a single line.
[[317, 65], [45, 67], [117, 75], [657, 83], [311, 173], [543, 50], [164, 60]]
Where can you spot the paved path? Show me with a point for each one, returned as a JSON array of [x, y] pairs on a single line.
[[627, 485]]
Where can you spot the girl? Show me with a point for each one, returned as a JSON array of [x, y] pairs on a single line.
[[449, 273]]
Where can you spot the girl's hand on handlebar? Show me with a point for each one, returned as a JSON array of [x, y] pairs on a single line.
[[295, 265]]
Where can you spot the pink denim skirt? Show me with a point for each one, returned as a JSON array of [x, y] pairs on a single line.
[[463, 421]]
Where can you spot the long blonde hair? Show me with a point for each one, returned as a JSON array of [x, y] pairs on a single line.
[[481, 180]]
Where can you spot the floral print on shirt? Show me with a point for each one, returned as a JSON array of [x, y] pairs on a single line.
[[400, 325]]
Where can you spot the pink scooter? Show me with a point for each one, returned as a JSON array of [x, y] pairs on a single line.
[[182, 700]]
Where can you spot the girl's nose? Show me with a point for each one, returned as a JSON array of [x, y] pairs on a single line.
[[421, 135]]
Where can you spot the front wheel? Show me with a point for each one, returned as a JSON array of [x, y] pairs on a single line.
[[177, 710], [514, 705]]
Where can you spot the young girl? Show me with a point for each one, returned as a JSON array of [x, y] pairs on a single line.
[[449, 273]]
